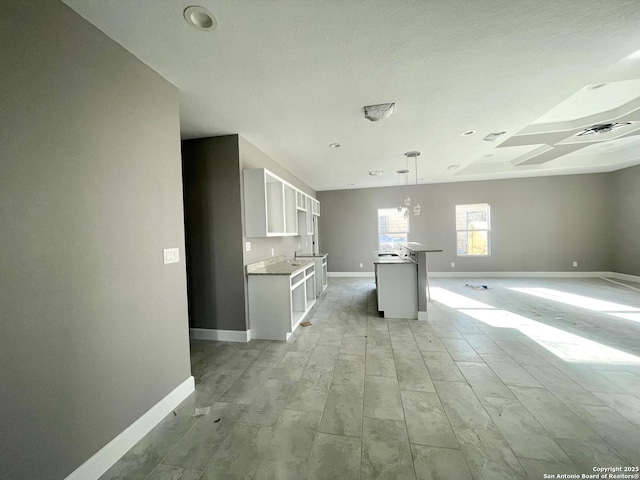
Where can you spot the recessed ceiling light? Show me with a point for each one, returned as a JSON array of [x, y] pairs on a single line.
[[334, 145], [375, 173], [453, 167], [200, 18], [468, 133]]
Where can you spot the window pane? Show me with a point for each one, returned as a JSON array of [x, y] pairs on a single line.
[[388, 243], [472, 242], [468, 214], [393, 227], [472, 229]]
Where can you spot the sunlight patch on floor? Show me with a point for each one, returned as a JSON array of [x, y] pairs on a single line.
[[602, 306], [565, 345]]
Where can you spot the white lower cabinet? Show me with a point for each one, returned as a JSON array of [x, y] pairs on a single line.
[[321, 270], [279, 302], [397, 289]]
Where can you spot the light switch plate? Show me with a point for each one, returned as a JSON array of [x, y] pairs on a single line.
[[171, 255], [247, 246]]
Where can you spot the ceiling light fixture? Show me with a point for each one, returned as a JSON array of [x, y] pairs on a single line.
[[468, 133], [335, 145], [200, 18], [405, 173], [493, 136], [414, 154], [378, 112], [375, 173], [602, 128]]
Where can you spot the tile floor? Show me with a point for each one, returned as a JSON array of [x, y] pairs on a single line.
[[525, 378]]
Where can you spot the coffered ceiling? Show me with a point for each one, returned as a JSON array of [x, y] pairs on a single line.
[[293, 76]]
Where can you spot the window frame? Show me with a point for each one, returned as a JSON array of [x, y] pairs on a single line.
[[467, 230]]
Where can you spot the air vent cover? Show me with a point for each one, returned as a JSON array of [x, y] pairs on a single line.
[[378, 112]]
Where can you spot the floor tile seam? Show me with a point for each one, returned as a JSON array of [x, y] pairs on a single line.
[[184, 436], [261, 456], [437, 446], [505, 441], [602, 440], [477, 398], [508, 384], [545, 428], [413, 459], [497, 382]]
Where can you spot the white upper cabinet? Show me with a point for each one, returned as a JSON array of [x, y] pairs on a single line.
[[301, 200], [290, 210], [273, 207]]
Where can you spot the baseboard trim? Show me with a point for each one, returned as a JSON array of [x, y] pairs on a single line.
[[502, 275], [351, 274], [108, 455], [624, 276], [519, 274], [223, 335]]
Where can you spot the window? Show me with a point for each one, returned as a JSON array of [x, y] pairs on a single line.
[[393, 228], [472, 229]]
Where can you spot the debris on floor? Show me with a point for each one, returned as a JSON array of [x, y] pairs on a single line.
[[477, 286], [305, 323], [216, 421], [201, 412]]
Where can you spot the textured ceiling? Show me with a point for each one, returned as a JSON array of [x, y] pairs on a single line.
[[292, 76]]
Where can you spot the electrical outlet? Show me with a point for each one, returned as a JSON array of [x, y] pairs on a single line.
[[361, 265], [453, 264], [273, 252], [575, 264], [247, 246], [171, 255]]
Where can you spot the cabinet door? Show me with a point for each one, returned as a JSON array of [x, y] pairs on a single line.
[[309, 216]]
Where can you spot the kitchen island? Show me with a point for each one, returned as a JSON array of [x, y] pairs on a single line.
[[402, 282], [397, 287]]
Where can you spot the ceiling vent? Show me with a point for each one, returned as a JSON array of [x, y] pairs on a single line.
[[378, 112], [493, 136], [602, 128]]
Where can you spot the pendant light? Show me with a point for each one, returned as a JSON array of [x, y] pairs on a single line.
[[407, 201], [414, 154]]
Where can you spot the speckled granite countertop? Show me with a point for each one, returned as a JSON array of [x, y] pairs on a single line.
[[278, 266], [393, 260], [419, 247]]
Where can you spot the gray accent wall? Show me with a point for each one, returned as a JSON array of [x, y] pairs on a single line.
[[213, 214], [214, 220], [625, 188], [537, 224], [94, 326]]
